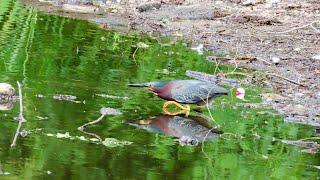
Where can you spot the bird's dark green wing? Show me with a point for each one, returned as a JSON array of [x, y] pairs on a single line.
[[195, 91], [189, 93]]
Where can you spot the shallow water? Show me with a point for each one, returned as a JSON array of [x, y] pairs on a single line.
[[51, 55]]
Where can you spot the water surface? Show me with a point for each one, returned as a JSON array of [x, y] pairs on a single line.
[[52, 55]]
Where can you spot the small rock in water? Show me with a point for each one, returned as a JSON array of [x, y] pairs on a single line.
[[7, 100], [6, 90]]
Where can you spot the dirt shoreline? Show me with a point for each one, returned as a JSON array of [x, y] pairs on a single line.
[[281, 39]]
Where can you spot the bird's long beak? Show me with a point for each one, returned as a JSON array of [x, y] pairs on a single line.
[[139, 85]]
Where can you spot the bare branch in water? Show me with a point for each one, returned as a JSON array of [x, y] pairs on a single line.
[[91, 123], [104, 112], [90, 134], [21, 119], [81, 128]]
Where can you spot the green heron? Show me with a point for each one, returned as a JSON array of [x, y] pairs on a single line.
[[185, 92], [189, 130]]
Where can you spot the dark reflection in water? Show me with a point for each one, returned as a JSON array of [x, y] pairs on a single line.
[[189, 130]]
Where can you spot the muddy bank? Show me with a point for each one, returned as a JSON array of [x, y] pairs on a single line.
[[281, 39]]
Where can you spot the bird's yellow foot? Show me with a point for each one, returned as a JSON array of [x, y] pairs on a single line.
[[184, 109]]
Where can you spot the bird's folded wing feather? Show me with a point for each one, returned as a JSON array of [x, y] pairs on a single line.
[[190, 93]]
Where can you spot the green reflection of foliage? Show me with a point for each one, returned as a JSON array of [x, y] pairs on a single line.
[[54, 55]]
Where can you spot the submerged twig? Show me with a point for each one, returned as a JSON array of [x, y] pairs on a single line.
[[81, 128], [217, 125], [104, 112], [21, 119], [203, 140], [92, 122], [90, 134]]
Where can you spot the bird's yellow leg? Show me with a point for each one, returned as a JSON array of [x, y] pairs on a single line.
[[184, 109], [145, 122]]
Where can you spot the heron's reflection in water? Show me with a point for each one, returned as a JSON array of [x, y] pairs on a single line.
[[189, 130]]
